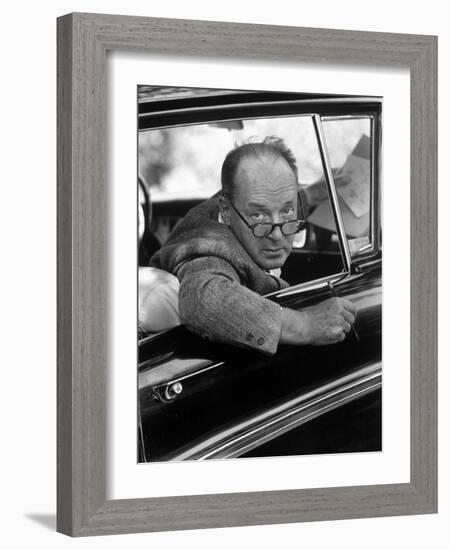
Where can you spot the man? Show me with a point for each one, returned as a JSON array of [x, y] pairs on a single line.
[[227, 253]]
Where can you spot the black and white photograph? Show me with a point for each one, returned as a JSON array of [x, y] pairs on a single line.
[[259, 278], [230, 216]]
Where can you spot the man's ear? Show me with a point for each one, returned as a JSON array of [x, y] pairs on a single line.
[[224, 210]]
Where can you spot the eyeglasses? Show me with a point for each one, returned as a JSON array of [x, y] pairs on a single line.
[[261, 230]]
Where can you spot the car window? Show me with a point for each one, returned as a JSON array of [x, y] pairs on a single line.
[[182, 167], [349, 144]]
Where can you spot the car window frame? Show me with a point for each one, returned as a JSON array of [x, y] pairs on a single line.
[[374, 183]]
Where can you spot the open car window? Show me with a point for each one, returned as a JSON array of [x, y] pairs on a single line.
[[182, 166]]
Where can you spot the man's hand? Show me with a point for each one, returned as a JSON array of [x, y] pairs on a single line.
[[325, 323]]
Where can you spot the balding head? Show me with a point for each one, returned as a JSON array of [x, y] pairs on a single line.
[[270, 149]]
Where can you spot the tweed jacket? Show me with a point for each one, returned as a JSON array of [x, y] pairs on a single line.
[[221, 287]]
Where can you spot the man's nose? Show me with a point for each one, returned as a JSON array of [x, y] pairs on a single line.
[[276, 234]]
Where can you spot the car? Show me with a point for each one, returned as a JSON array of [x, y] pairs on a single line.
[[199, 399]]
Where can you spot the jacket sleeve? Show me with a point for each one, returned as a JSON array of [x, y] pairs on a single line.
[[214, 304]]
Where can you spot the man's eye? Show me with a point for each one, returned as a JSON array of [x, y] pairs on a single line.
[[257, 216], [288, 211]]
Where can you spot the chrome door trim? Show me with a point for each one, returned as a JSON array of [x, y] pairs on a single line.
[[264, 427]]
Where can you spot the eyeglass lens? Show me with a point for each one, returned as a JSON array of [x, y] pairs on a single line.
[[264, 229]]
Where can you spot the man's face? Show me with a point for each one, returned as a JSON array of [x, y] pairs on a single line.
[[265, 190]]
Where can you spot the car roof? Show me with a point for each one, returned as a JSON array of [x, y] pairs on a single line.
[[163, 93], [160, 106]]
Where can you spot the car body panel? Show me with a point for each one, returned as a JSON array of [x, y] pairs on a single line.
[[224, 386]]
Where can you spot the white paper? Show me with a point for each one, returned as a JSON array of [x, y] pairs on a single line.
[[356, 193]]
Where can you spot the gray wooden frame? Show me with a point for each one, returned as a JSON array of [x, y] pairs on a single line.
[[83, 40]]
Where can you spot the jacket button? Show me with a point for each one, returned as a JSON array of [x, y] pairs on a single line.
[[261, 341], [249, 336]]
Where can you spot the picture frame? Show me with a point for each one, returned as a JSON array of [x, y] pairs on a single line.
[[83, 41]]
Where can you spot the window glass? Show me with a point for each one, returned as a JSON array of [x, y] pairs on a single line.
[[349, 146]]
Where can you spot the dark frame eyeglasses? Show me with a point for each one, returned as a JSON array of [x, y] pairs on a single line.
[[264, 229]]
